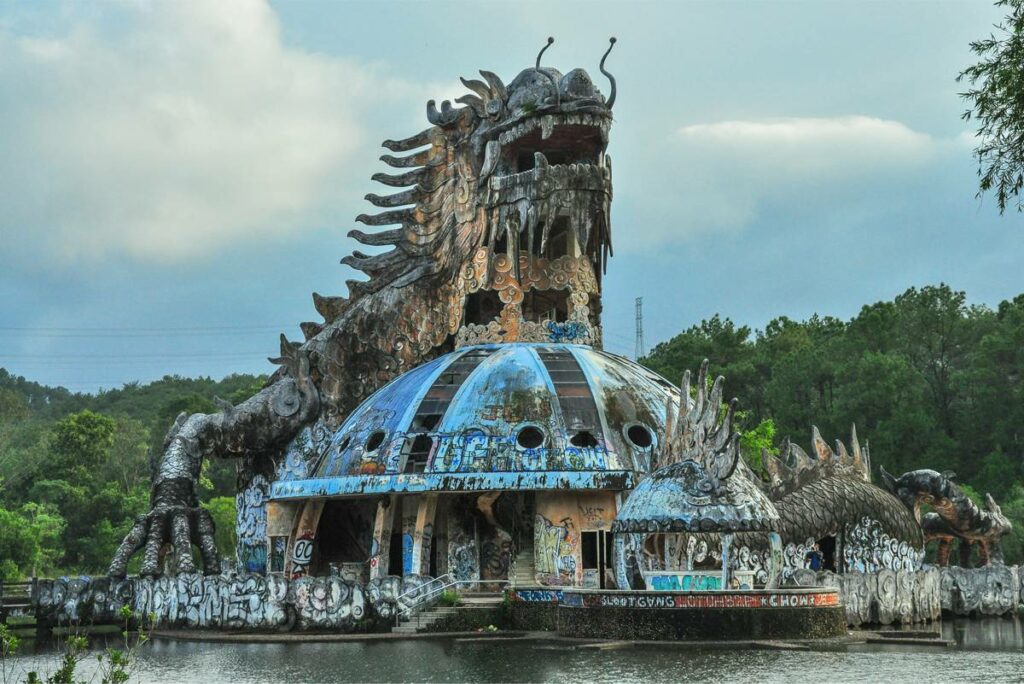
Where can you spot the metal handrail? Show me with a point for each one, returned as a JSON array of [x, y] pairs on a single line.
[[408, 611]]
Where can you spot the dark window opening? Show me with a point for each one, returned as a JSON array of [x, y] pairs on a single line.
[[375, 440], [546, 305], [427, 422], [344, 443], [419, 454], [395, 564], [560, 239], [639, 436], [584, 439], [827, 545], [482, 307], [530, 437], [344, 535], [588, 550]]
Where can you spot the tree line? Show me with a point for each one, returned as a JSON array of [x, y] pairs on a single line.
[[929, 380], [75, 468]]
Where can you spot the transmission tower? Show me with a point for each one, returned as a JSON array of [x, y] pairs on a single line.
[[639, 351]]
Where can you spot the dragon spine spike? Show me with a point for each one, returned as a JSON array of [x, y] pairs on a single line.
[[446, 117], [821, 449], [425, 158], [696, 433], [474, 103], [378, 239], [410, 196], [310, 329], [498, 90], [426, 137], [479, 87], [842, 453], [402, 179], [388, 217], [329, 307]]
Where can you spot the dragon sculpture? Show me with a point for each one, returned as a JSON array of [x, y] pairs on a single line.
[[488, 197], [954, 515], [812, 497], [500, 205]]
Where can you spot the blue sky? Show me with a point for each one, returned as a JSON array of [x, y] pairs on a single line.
[[178, 177]]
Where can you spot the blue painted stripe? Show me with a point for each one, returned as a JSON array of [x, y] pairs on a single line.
[[453, 482]]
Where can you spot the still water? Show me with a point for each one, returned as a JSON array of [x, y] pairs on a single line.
[[988, 651]]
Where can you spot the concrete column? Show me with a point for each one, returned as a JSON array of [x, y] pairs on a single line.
[[380, 550], [423, 534], [726, 557], [775, 561]]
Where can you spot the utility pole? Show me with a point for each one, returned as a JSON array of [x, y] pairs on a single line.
[[639, 351]]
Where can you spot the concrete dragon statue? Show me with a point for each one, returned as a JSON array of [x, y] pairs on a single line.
[[954, 515], [824, 497], [493, 193]]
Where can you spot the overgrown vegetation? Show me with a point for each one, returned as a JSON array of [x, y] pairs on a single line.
[[929, 380], [75, 468]]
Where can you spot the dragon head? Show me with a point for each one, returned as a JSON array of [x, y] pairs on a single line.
[[508, 194]]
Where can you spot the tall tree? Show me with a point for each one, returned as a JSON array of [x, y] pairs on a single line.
[[996, 99]]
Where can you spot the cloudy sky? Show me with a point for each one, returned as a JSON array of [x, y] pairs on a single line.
[[176, 178]]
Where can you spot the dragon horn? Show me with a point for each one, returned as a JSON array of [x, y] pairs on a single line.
[[610, 102], [554, 84]]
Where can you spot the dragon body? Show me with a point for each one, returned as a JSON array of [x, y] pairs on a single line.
[[954, 515], [497, 229]]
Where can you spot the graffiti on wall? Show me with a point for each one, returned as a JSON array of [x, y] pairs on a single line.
[[251, 524], [226, 601], [305, 452], [463, 563], [555, 551]]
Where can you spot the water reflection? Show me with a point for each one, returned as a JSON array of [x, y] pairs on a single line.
[[986, 650]]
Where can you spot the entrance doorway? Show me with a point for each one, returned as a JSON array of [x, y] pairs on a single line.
[[828, 553], [596, 552]]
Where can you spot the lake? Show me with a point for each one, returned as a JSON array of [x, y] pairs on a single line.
[[986, 650]]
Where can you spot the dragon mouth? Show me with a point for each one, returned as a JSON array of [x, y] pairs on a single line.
[[551, 170]]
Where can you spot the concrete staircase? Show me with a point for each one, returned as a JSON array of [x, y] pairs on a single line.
[[523, 568], [422, 621]]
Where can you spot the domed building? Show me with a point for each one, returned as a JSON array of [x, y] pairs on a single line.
[[488, 457]]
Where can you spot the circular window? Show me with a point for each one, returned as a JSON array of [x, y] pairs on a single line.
[[530, 437], [584, 439], [375, 440], [639, 436]]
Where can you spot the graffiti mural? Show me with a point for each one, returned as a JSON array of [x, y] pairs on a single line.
[[251, 524], [555, 551], [227, 601], [305, 452]]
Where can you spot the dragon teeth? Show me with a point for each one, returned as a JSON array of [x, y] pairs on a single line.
[[547, 126]]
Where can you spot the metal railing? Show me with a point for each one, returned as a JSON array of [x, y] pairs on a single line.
[[426, 592]]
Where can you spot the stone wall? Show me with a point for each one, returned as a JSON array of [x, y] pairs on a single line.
[[991, 590], [902, 597], [888, 596], [249, 602]]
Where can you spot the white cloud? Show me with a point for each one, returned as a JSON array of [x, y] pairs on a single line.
[[186, 127], [724, 173]]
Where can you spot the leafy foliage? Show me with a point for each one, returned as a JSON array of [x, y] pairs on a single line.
[[996, 99], [75, 468]]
